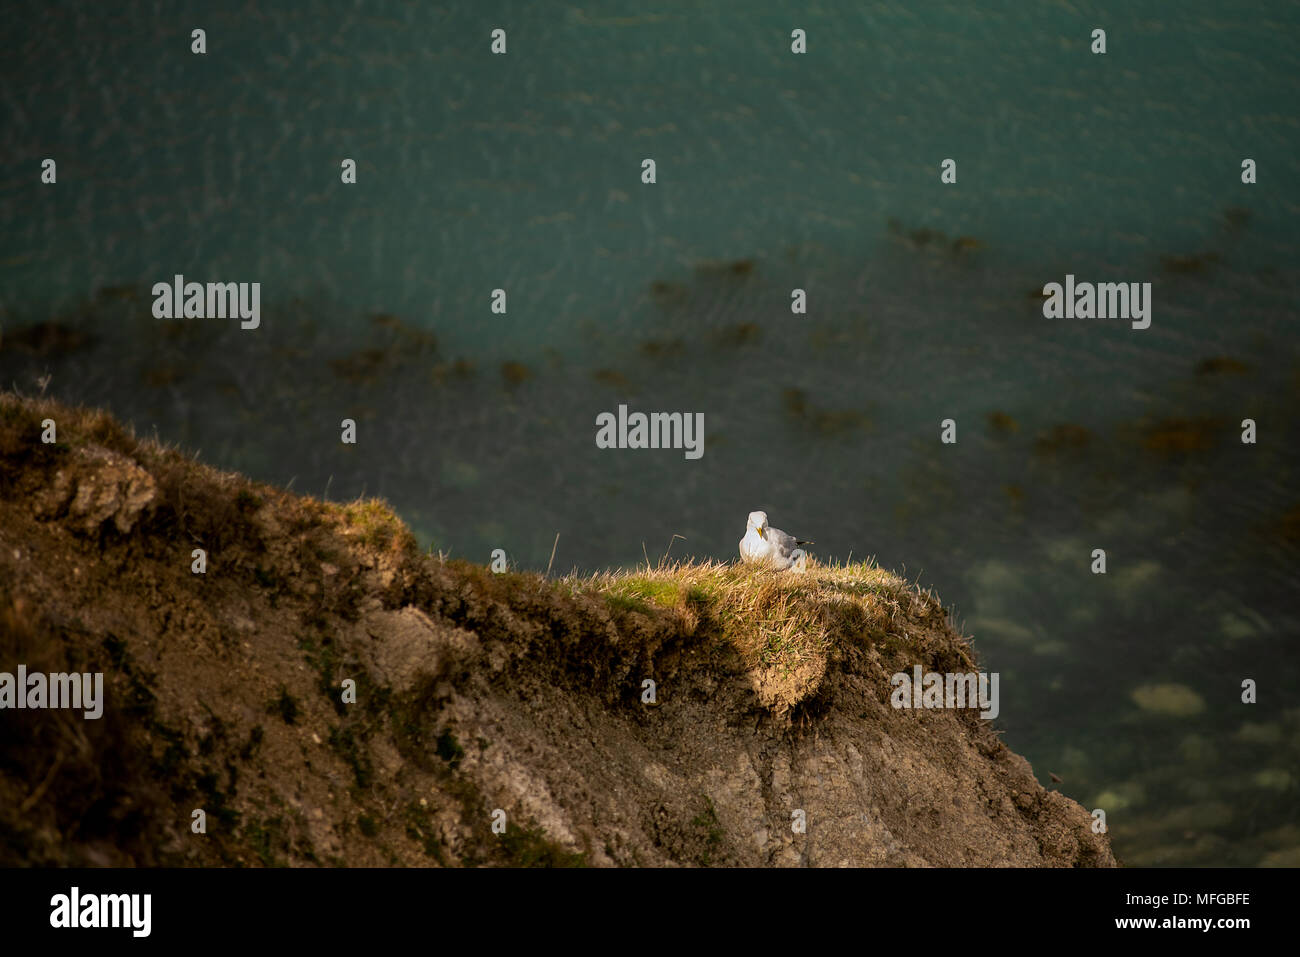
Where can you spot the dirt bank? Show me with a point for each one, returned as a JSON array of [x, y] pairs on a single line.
[[474, 692]]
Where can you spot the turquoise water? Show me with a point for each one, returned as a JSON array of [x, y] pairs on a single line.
[[819, 172]]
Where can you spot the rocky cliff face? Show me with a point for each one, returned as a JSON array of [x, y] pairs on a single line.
[[480, 699]]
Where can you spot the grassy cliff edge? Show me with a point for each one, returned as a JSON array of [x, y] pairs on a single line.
[[474, 693]]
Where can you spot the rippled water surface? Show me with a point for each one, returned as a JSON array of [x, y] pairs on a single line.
[[775, 172]]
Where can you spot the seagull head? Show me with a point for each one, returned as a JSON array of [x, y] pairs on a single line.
[[758, 522]]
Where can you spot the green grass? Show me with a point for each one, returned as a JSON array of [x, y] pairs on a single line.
[[529, 847], [643, 590], [707, 824], [269, 840], [346, 744], [420, 828], [776, 619]]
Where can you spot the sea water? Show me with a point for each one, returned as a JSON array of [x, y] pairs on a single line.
[[775, 172]]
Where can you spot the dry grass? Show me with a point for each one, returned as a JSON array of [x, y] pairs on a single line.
[[776, 619]]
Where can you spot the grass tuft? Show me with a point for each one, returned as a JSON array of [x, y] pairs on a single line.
[[776, 619]]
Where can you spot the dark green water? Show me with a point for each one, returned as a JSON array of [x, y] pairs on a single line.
[[523, 172]]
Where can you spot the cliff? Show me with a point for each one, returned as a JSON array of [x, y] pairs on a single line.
[[474, 692]]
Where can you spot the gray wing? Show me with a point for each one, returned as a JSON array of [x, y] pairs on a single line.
[[783, 542]]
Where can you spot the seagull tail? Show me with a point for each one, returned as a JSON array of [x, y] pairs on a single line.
[[799, 542]]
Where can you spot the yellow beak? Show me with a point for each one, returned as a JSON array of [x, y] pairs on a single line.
[[759, 529]]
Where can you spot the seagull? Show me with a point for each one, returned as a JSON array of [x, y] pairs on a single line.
[[763, 543]]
